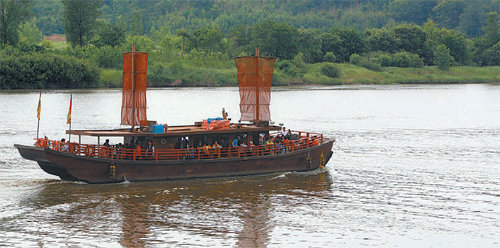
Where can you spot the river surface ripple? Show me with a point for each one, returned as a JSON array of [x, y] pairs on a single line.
[[413, 166]]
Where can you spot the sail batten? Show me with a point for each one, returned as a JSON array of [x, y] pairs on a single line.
[[255, 76], [129, 108]]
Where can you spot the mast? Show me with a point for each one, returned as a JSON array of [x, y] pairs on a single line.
[[257, 91], [133, 87]]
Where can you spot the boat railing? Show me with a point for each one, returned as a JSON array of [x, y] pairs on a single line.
[[302, 141]]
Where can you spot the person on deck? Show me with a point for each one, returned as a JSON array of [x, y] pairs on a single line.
[[106, 144], [184, 143], [63, 146], [150, 149], [236, 141], [138, 152], [284, 132]]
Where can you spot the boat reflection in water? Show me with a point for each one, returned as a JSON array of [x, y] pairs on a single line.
[[215, 211]]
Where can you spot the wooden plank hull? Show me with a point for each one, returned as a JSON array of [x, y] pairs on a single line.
[[103, 170]]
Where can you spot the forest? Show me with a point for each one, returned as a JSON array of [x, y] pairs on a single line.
[[193, 42]]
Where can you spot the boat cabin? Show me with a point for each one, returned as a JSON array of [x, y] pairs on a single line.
[[172, 138]]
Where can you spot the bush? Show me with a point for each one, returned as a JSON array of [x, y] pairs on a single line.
[[329, 57], [384, 60], [370, 64], [355, 59], [416, 61], [108, 57], [442, 57], [34, 71], [330, 70], [400, 59]]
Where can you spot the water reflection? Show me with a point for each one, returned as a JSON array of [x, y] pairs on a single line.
[[237, 210]]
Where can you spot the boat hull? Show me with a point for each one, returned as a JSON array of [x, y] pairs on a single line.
[[103, 170]]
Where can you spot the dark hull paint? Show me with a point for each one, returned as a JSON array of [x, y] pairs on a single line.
[[100, 170]]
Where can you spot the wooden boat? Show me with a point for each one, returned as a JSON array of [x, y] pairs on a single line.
[[171, 152]]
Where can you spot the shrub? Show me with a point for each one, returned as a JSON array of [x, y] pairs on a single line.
[[355, 59], [329, 57], [442, 57], [415, 61], [32, 71], [330, 70], [384, 60], [370, 64], [400, 59]]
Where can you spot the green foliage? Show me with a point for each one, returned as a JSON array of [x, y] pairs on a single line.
[[491, 56], [411, 10], [351, 42], [29, 33], [34, 71], [355, 59], [330, 70], [107, 57], [412, 38], [329, 57], [206, 39], [109, 35], [383, 39], [442, 57], [136, 27], [12, 14], [48, 16], [447, 13], [80, 20], [275, 39]]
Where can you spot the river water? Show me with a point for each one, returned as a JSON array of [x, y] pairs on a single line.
[[413, 166]]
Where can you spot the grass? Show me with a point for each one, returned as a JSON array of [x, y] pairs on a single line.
[[349, 74]]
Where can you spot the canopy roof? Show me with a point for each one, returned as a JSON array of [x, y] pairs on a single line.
[[174, 131]]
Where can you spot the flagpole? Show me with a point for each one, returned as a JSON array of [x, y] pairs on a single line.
[[38, 114], [69, 117]]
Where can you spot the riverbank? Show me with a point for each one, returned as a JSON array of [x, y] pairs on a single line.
[[348, 74]]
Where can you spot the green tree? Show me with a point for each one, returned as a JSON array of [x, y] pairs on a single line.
[[136, 27], [447, 13], [350, 42], [79, 18], [275, 39], [442, 57], [492, 29], [29, 33], [413, 11], [208, 39], [110, 35], [412, 38], [382, 40], [12, 14]]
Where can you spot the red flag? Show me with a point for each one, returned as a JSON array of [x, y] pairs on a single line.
[[68, 121], [39, 106]]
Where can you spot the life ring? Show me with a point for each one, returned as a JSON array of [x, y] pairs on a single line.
[[89, 151]]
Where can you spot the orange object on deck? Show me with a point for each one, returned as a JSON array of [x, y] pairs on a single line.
[[141, 67], [255, 76]]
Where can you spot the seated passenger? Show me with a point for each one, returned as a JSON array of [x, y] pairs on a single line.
[[106, 144]]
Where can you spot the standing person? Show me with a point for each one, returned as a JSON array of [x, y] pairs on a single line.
[[106, 144], [150, 149], [138, 152], [284, 132], [236, 141], [184, 143]]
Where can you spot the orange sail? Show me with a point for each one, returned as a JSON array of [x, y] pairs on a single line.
[[255, 76], [134, 105]]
